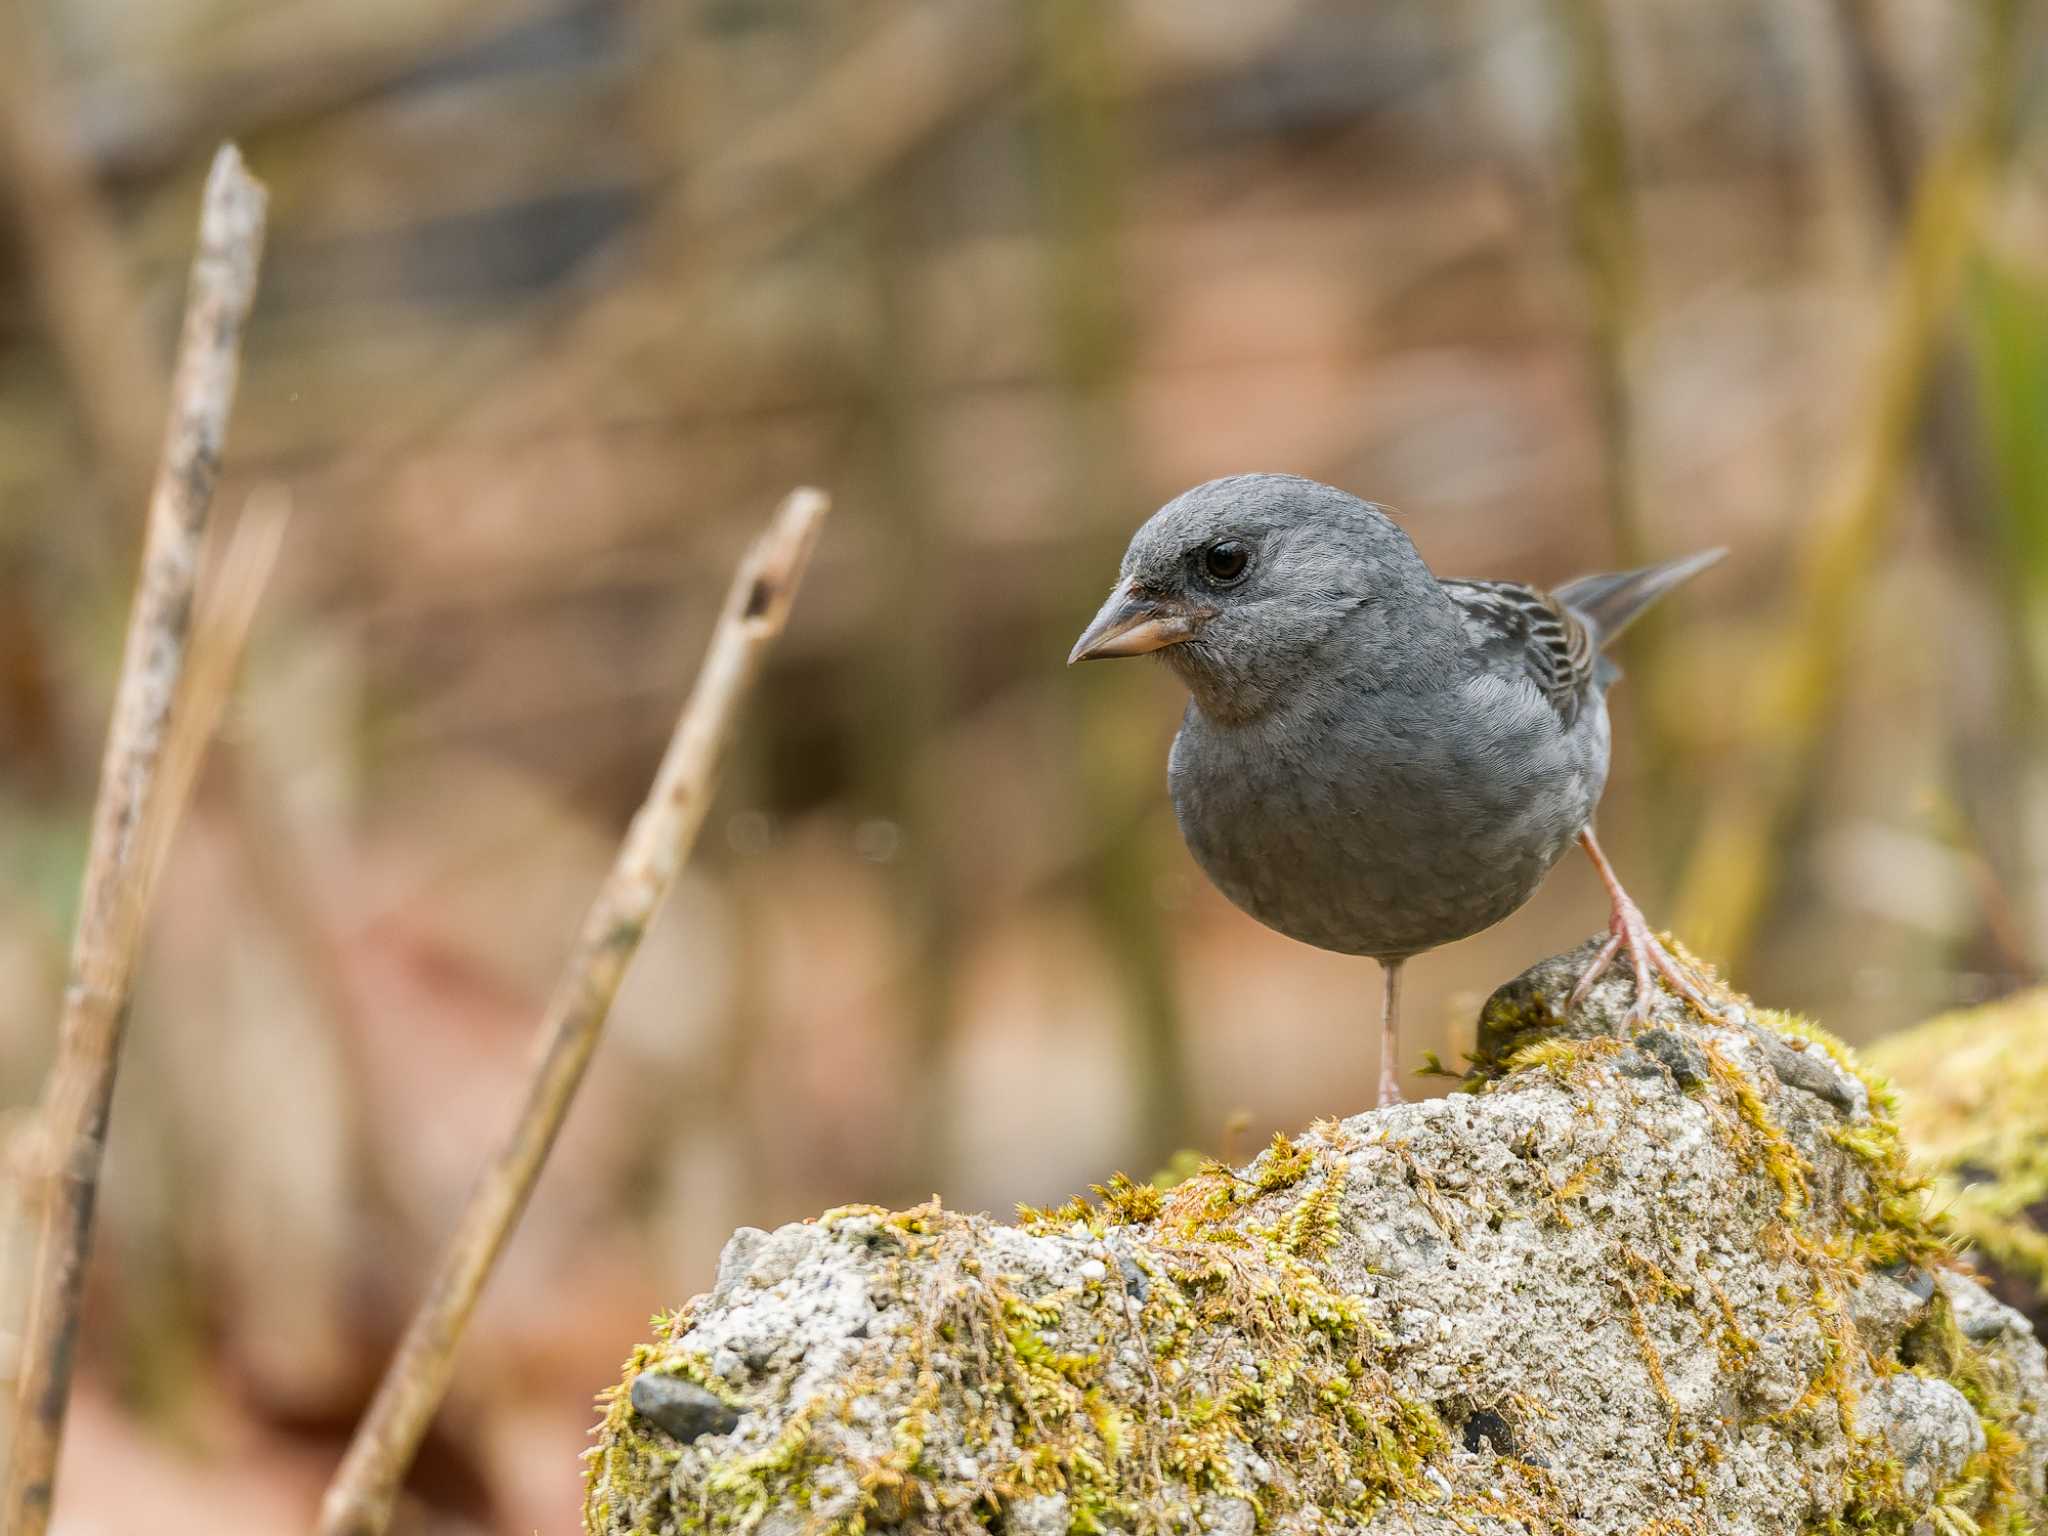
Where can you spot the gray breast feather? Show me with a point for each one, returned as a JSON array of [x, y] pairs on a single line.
[[1403, 826]]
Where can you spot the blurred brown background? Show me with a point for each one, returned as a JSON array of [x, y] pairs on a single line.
[[561, 296]]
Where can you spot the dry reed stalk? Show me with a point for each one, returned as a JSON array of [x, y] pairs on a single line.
[[149, 761], [365, 1488]]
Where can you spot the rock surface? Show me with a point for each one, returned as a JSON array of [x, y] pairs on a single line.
[[1674, 1283]]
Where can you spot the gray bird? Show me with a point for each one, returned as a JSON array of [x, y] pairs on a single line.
[[1375, 761]]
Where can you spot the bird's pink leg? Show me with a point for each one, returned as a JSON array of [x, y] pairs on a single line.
[[1631, 931], [1390, 1012]]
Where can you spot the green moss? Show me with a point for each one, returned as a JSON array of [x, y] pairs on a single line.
[[1976, 1114], [1122, 1201], [1890, 1220], [1282, 1164], [624, 1460], [1563, 1058], [1563, 1192], [1733, 1344], [749, 1485], [1764, 1143], [1227, 1256], [1873, 1494], [1639, 1328], [1984, 1499], [1433, 1066], [1311, 1227]]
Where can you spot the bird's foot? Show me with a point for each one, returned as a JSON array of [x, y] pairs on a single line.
[[1628, 929]]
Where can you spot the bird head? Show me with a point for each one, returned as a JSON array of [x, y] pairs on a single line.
[[1238, 583]]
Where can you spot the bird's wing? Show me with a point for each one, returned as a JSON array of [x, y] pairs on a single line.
[[1518, 631]]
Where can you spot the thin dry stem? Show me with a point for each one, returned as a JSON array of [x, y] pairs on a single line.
[[359, 1502], [137, 802]]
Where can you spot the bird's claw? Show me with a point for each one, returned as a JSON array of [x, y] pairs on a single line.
[[1629, 930]]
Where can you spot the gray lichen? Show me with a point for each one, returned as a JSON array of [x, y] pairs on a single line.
[[1679, 1283]]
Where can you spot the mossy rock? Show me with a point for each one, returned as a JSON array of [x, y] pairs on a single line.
[[1627, 1282], [1973, 1089]]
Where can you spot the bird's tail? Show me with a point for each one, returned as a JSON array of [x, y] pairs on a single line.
[[1610, 603]]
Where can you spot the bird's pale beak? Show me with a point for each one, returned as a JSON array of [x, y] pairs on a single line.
[[1132, 623]]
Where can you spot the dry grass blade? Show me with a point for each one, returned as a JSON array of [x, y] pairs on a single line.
[[137, 803], [365, 1488], [234, 587]]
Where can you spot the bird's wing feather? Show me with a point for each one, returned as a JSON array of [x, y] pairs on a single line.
[[1518, 631]]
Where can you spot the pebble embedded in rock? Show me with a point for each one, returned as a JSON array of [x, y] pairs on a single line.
[[1915, 1279], [1222, 1515], [1883, 1308], [1488, 1429], [1929, 1426], [1815, 1072], [1979, 1326], [1134, 1277], [1685, 1062], [1038, 1514], [680, 1408]]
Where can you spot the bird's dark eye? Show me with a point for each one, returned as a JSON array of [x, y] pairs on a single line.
[[1226, 561]]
